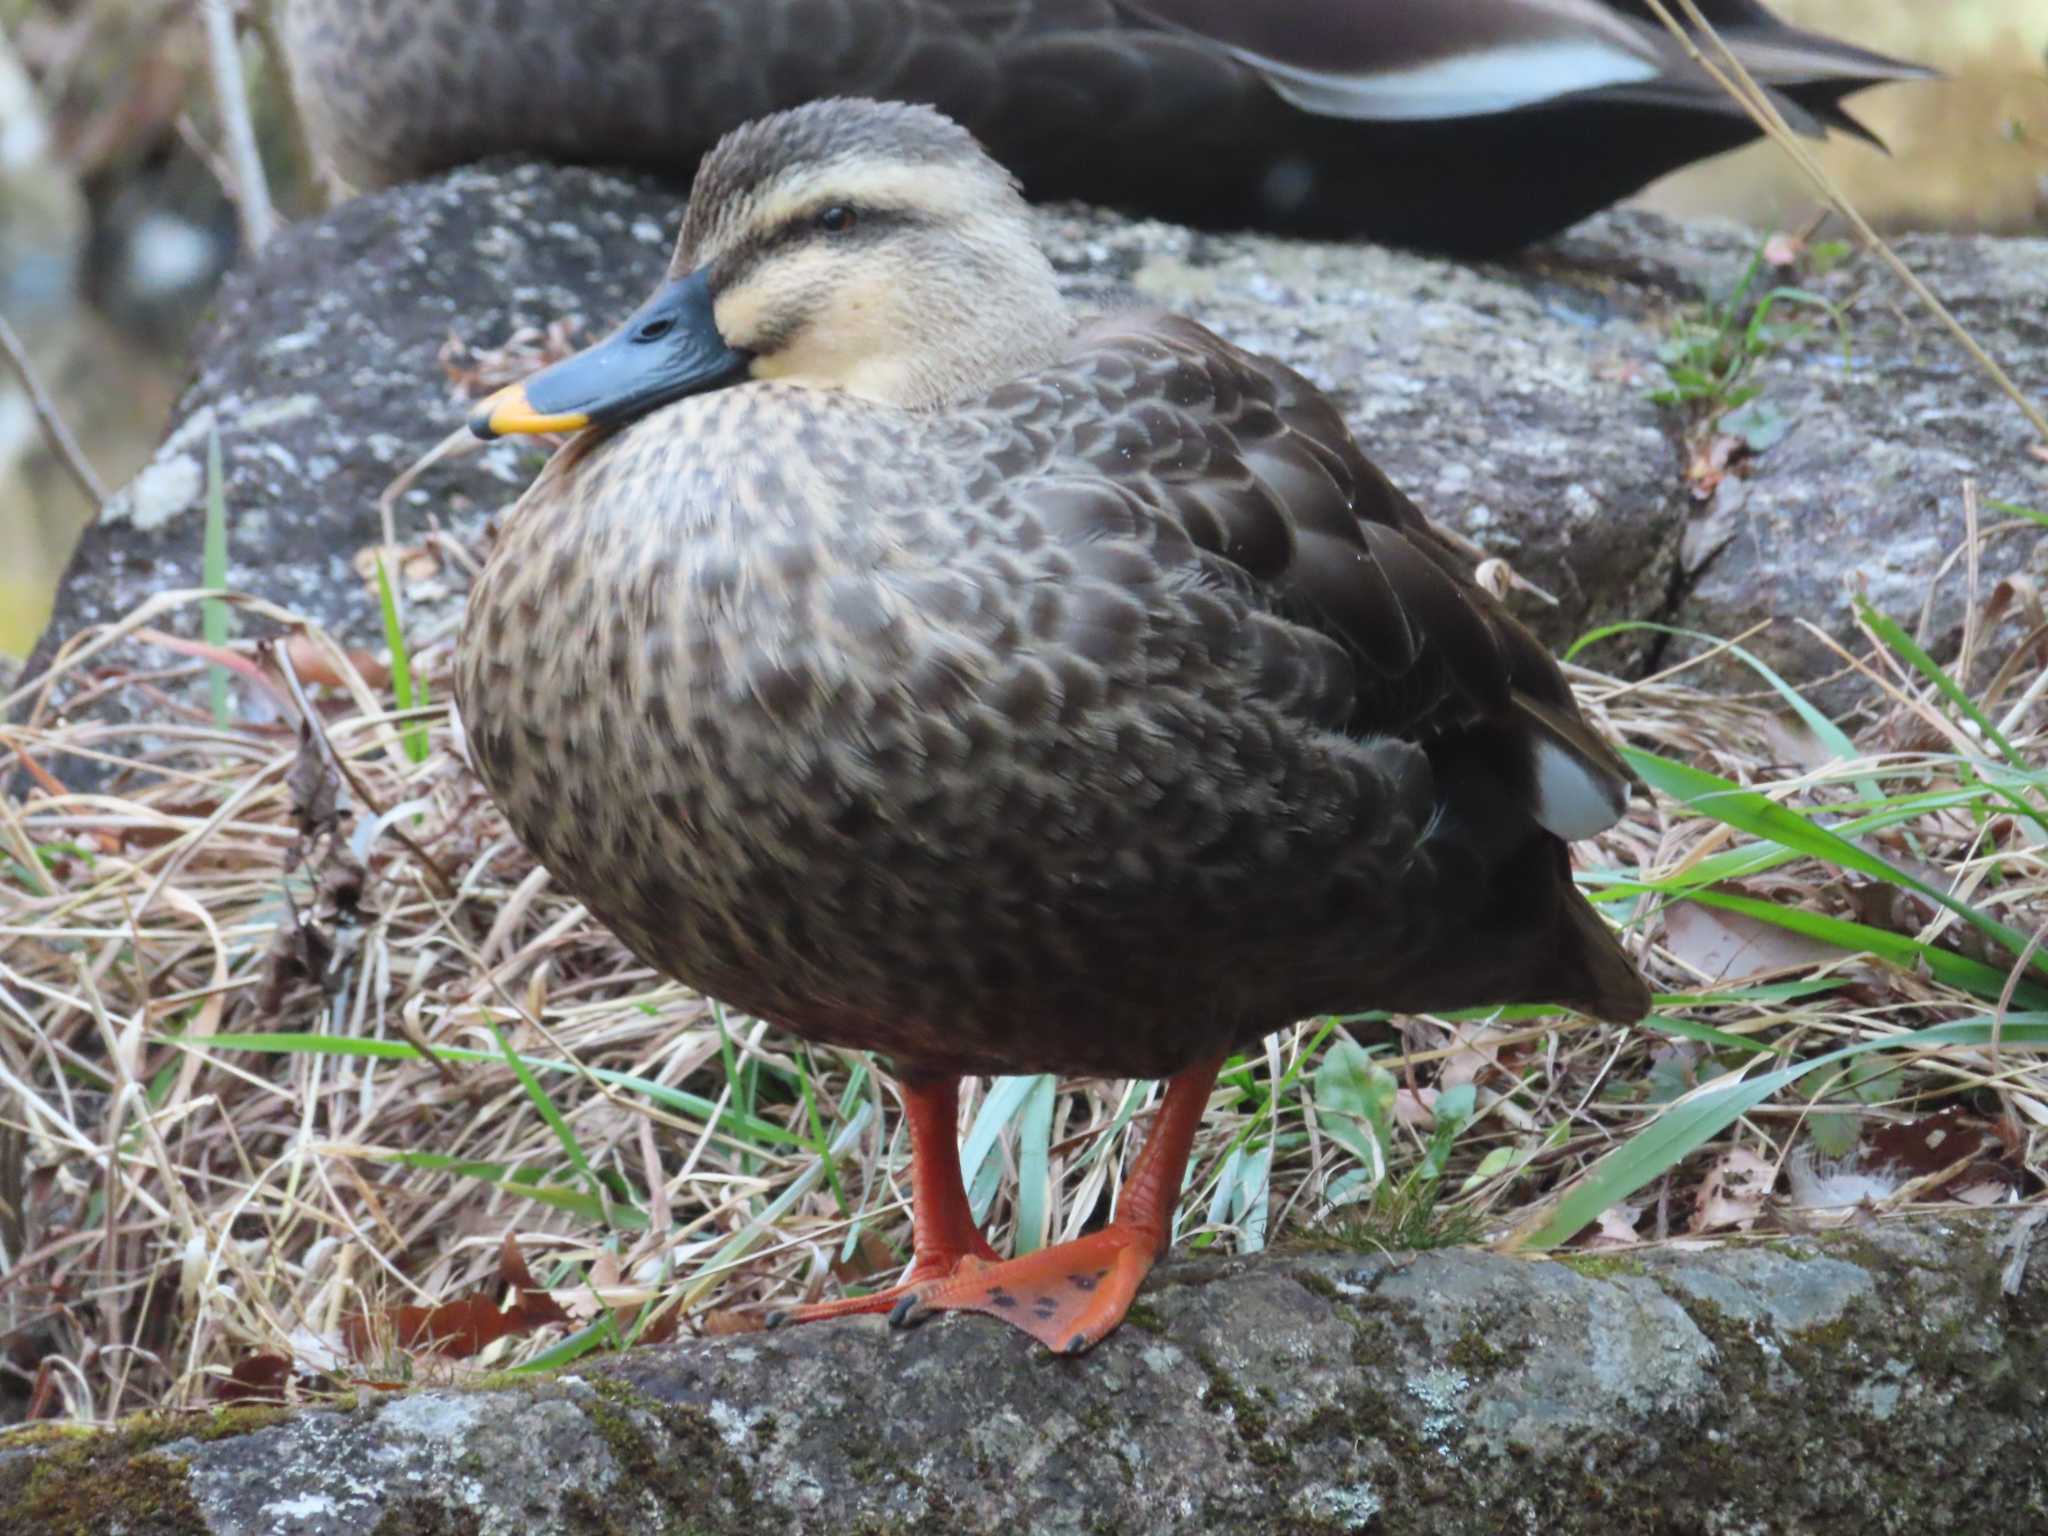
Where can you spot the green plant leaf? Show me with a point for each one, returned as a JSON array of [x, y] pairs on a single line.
[[1834, 1133], [1354, 1097], [1759, 424]]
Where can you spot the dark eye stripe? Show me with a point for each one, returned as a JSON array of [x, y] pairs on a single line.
[[871, 223]]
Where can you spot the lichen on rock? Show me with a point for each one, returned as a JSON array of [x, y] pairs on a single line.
[[1866, 1381]]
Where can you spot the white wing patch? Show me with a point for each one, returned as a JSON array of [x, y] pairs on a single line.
[[1462, 85], [1573, 798]]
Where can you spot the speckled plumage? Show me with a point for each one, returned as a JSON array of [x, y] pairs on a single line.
[[1141, 105], [1073, 729], [923, 671]]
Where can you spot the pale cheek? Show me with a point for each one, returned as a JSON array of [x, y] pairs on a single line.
[[738, 317], [854, 333]]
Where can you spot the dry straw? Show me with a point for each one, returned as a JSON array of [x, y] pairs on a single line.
[[450, 1050], [293, 1033]]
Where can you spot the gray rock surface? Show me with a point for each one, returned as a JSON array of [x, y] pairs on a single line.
[[1881, 1380], [1510, 400], [1868, 481]]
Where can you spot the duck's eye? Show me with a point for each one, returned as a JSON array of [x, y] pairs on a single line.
[[654, 330], [837, 219]]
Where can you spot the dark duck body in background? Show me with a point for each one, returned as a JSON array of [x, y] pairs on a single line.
[[923, 670], [1467, 126]]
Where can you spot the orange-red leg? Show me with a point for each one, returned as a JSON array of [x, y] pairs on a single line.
[[943, 1234], [1071, 1295]]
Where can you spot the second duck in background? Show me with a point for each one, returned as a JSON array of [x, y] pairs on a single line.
[[1465, 126]]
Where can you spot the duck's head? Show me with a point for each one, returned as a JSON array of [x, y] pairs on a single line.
[[862, 246]]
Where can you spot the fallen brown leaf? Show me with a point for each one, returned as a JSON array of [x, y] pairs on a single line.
[[1733, 946], [1734, 1193], [463, 1327]]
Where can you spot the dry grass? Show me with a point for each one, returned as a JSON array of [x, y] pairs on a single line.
[[293, 1035], [172, 1203]]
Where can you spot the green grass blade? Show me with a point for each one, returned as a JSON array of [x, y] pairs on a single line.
[[1034, 1158], [1523, 1013], [2014, 509], [1759, 858], [1760, 816], [1105, 1139], [557, 1123], [728, 1121], [1243, 1196], [1859, 938], [740, 1080], [584, 1341], [1706, 1034], [595, 1209], [999, 1106], [1831, 735], [1893, 634], [1703, 1114], [1262, 1120], [819, 1141], [414, 734], [1767, 992], [742, 1242]]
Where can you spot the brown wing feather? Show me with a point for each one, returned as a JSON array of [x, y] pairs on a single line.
[[1282, 492]]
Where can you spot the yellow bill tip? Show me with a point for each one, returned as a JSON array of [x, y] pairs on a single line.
[[509, 412]]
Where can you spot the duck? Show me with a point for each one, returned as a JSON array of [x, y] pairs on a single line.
[[924, 668], [1467, 127]]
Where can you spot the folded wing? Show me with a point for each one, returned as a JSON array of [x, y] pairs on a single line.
[[1396, 60]]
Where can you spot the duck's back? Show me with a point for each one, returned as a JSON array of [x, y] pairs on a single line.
[[404, 89], [1118, 717]]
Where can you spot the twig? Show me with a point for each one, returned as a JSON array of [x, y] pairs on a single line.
[[2019, 1242], [278, 67], [59, 435], [281, 658], [252, 191]]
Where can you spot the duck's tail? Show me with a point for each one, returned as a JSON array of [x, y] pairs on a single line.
[[1529, 935], [1586, 967], [1533, 938]]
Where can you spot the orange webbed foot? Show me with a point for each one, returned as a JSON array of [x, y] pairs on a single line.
[[1069, 1297], [922, 1275]]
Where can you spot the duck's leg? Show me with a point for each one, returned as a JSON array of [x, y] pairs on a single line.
[[944, 1237], [1071, 1295]]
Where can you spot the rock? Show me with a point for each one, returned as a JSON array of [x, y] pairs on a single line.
[[1867, 483], [319, 372], [1874, 1380], [1510, 400]]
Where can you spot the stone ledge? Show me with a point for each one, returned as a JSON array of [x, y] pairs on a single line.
[[1509, 399], [1880, 1379]]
